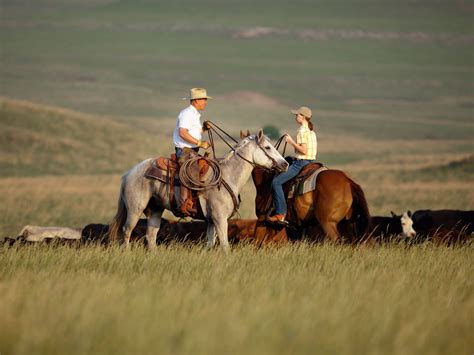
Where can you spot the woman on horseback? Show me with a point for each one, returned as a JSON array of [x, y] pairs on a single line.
[[306, 147]]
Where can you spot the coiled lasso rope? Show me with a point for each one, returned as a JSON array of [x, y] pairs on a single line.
[[196, 184]]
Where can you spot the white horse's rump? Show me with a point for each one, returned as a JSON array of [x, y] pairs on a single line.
[[141, 195]]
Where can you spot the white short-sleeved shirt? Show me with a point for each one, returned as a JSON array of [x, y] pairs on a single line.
[[189, 118]]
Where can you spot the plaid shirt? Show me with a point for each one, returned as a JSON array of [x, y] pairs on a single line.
[[308, 137]]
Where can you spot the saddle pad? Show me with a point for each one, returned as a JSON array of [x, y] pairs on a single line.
[[307, 185]]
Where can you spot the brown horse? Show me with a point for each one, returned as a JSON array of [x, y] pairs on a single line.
[[336, 202]]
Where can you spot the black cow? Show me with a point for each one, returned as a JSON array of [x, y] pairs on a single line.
[[446, 225], [425, 221], [97, 232], [240, 230]]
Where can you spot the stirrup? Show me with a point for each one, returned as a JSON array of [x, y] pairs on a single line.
[[187, 211], [274, 219]]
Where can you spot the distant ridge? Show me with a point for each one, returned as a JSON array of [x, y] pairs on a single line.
[[38, 139], [459, 169], [460, 165]]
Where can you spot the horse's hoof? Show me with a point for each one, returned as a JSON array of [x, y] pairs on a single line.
[[151, 246]]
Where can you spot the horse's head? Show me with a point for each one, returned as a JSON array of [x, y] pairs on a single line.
[[406, 223], [261, 153]]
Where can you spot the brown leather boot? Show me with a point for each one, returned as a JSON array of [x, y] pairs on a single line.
[[190, 210], [186, 201], [278, 218]]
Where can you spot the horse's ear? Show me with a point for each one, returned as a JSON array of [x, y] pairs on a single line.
[[243, 134], [393, 214], [409, 213], [260, 135]]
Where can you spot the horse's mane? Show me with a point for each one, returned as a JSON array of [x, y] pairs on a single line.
[[240, 145]]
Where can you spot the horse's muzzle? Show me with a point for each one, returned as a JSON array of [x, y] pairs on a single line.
[[281, 167]]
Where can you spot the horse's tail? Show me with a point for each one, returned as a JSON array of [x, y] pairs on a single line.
[[115, 227], [361, 214]]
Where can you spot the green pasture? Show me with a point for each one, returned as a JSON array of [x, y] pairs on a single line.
[[391, 87], [135, 60], [90, 88], [390, 84], [61, 167]]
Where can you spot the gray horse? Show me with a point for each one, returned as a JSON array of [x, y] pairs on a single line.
[[141, 195]]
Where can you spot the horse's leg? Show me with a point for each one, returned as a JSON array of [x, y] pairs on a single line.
[[132, 220], [260, 233], [221, 226], [135, 208], [210, 235], [330, 228], [153, 227]]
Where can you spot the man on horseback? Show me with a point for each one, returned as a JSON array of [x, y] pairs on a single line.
[[306, 149], [187, 135]]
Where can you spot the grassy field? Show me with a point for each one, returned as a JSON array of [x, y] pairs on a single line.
[[90, 88], [300, 299]]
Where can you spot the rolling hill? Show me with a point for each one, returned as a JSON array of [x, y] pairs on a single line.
[[37, 140]]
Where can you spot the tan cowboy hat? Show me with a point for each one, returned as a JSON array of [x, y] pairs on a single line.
[[197, 93], [303, 110]]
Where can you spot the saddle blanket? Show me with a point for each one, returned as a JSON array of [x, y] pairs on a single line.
[[307, 185]]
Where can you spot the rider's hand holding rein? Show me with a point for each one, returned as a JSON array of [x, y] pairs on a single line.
[[299, 148], [288, 139], [206, 126], [203, 144]]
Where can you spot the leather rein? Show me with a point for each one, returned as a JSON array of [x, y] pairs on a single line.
[[211, 140], [215, 128]]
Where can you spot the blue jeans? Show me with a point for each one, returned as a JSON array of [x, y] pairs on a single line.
[[179, 151], [280, 179]]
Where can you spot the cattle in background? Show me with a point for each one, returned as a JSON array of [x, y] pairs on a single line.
[[385, 228], [97, 232], [239, 230], [262, 233], [444, 226], [426, 221], [48, 234], [447, 237], [37, 234]]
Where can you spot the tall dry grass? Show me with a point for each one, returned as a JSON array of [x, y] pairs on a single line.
[[298, 299]]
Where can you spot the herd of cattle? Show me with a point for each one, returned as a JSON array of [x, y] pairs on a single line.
[[441, 227]]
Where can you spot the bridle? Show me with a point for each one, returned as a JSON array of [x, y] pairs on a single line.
[[216, 129], [275, 165], [277, 144]]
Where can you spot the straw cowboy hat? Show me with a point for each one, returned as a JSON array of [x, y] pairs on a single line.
[[197, 93], [303, 110]]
